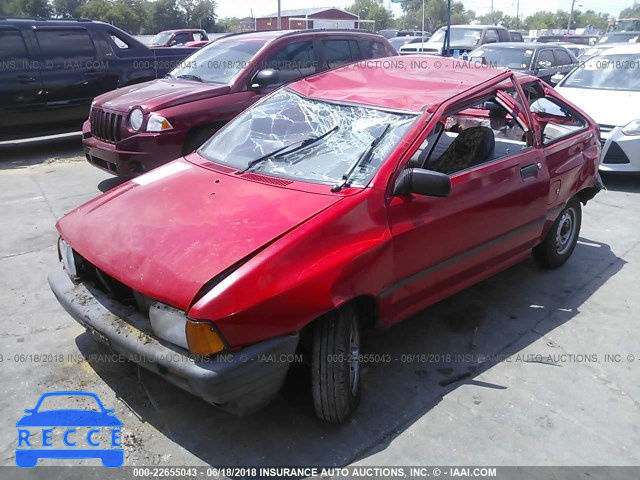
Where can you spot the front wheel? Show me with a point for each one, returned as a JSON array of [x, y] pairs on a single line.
[[335, 365], [561, 240]]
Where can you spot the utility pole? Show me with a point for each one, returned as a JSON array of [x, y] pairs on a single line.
[[422, 34], [493, 20], [279, 16], [518, 15], [573, 2]]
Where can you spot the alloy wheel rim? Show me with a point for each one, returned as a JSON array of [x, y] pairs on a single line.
[[566, 231]]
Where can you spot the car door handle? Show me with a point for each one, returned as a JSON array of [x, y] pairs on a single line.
[[92, 73], [26, 79], [530, 170]]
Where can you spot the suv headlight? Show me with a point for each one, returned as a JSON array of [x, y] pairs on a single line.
[[158, 123], [135, 119], [632, 128]]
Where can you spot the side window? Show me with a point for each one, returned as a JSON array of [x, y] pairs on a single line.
[[490, 36], [118, 42], [13, 53], [293, 56], [562, 57], [545, 59], [337, 52], [376, 49], [556, 119], [181, 38], [474, 135], [66, 44]]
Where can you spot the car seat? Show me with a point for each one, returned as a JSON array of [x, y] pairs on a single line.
[[471, 147]]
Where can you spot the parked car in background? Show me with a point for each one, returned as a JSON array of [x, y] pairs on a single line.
[[542, 60], [607, 87], [172, 38], [52, 70], [581, 39], [464, 38], [413, 33], [626, 25], [202, 43], [397, 42], [516, 36], [387, 188], [620, 37], [389, 33], [576, 49], [598, 49], [135, 129]]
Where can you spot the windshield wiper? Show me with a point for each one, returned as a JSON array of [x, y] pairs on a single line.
[[363, 159], [287, 149], [191, 77]]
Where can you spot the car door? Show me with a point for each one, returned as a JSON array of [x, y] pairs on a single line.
[[492, 218], [563, 61], [545, 64], [22, 97], [72, 73]]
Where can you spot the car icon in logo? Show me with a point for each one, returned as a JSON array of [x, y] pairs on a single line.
[[69, 419]]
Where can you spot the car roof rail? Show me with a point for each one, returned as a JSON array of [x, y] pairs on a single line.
[[46, 19]]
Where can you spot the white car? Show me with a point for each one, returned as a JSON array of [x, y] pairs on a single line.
[[607, 88]]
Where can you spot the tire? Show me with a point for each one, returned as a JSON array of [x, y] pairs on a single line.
[[561, 240], [335, 366]]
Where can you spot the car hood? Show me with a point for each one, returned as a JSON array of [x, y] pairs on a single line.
[[166, 233], [158, 94], [606, 107]]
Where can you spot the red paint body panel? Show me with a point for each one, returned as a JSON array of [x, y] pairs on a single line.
[[306, 250], [167, 238]]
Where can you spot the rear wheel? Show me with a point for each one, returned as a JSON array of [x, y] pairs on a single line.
[[335, 365], [562, 237]]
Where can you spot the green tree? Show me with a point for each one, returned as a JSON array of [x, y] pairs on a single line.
[[631, 12], [372, 10], [68, 8], [30, 8], [494, 18], [200, 14], [599, 21], [166, 15], [96, 10], [541, 20], [435, 14]]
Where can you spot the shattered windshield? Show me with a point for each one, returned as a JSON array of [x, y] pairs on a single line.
[[325, 139]]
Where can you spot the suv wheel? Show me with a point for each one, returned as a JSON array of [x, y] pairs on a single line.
[[335, 365]]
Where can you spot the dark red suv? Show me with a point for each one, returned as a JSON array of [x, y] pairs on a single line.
[[134, 129]]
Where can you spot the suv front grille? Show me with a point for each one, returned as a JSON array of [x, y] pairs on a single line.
[[106, 126]]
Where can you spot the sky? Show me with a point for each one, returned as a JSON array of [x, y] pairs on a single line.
[[243, 8]]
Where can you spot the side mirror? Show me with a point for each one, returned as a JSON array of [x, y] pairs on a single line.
[[268, 77], [555, 79], [422, 182], [173, 42]]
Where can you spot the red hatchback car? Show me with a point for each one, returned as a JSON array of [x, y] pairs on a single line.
[[134, 129], [345, 201]]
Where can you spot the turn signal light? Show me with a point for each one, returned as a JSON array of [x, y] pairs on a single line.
[[203, 338]]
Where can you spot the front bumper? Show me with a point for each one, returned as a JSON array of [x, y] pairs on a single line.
[[133, 155], [240, 383], [620, 152]]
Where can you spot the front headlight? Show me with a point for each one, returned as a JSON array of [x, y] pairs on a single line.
[[66, 256], [169, 323], [158, 123], [135, 119], [632, 128]]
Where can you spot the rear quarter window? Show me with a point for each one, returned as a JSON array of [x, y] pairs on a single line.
[[65, 44]]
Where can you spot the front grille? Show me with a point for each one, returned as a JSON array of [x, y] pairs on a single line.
[[615, 155], [109, 285], [106, 126]]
